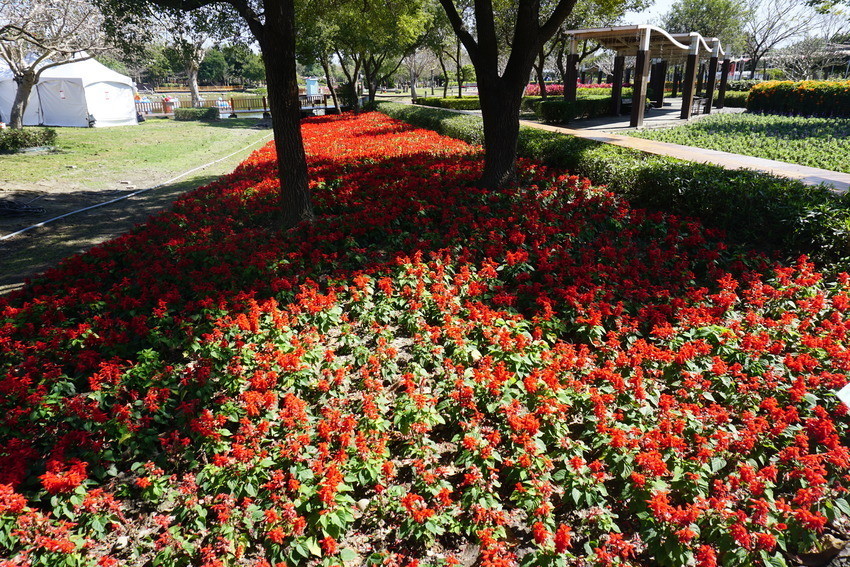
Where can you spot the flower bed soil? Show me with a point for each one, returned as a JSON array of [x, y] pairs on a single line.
[[431, 373]]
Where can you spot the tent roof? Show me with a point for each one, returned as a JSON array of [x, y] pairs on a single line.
[[626, 40], [88, 70]]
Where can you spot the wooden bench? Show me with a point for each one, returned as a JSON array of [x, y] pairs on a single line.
[[697, 105], [626, 106]]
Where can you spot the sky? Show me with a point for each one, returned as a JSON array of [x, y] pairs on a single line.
[[651, 15]]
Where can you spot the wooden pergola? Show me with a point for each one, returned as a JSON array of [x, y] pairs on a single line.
[[647, 42]]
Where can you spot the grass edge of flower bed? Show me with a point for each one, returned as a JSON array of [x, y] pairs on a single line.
[[759, 209]]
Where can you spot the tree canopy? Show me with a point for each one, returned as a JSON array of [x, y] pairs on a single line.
[[723, 19]]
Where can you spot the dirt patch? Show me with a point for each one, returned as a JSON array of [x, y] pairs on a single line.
[[30, 253]]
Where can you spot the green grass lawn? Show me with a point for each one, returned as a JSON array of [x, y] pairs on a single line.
[[815, 142], [90, 157], [88, 167]]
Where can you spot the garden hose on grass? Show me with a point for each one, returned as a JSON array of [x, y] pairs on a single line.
[[134, 193]]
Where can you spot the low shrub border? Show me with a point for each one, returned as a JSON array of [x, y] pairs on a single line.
[[12, 140], [453, 103], [561, 111], [736, 99], [806, 98], [755, 208], [743, 85], [211, 113], [588, 104]]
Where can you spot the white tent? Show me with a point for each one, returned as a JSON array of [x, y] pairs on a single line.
[[68, 94]]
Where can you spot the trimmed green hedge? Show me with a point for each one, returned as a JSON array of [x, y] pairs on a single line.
[[759, 209], [736, 99], [561, 111], [15, 140], [211, 113], [805, 98], [743, 85], [465, 103], [529, 103]]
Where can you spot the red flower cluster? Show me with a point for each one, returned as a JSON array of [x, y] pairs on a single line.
[[540, 368]]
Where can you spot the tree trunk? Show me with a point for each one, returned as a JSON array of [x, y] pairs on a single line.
[[500, 105], [192, 74], [351, 86], [25, 82], [541, 59], [445, 77], [413, 78], [459, 72], [327, 69], [562, 68], [278, 47]]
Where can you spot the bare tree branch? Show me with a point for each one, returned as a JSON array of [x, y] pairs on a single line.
[[460, 30]]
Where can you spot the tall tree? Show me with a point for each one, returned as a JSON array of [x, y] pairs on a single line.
[[316, 42], [372, 37], [213, 69], [502, 71], [192, 32], [416, 63], [442, 41], [243, 65], [723, 19], [771, 23], [816, 52], [272, 23], [41, 34]]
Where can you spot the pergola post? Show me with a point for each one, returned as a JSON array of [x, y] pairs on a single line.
[[653, 80], [639, 86], [712, 74], [628, 75], [724, 76], [584, 77], [617, 87], [690, 79], [700, 79], [572, 73], [660, 83], [676, 75]]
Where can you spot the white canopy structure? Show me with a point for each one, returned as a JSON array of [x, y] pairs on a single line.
[[73, 94]]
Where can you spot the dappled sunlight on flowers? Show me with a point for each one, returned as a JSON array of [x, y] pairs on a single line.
[[539, 374]]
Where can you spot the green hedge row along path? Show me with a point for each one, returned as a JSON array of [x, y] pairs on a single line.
[[755, 208]]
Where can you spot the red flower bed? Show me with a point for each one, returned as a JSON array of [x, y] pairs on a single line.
[[431, 373]]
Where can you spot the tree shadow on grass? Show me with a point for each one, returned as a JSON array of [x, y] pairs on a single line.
[[39, 249]]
